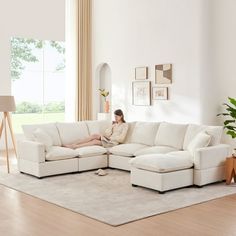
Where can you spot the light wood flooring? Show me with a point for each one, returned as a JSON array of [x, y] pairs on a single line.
[[21, 214]]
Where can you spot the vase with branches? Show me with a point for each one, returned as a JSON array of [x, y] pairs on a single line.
[[104, 93]]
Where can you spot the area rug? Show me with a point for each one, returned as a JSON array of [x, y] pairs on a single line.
[[111, 198]]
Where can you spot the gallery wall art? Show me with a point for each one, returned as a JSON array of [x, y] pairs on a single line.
[[163, 74], [141, 73], [141, 92], [159, 93]]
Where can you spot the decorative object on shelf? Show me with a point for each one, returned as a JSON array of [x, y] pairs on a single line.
[[160, 93], [106, 106], [104, 116], [141, 73], [163, 74], [7, 104], [104, 94], [141, 93]]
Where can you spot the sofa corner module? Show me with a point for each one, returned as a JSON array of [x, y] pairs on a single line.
[[31, 151], [209, 164], [210, 157]]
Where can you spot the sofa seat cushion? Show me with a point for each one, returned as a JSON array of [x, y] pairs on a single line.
[[171, 135], [155, 150], [56, 153], [127, 149], [90, 151], [162, 163]]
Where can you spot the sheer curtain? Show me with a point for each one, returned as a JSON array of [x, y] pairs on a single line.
[[78, 58]]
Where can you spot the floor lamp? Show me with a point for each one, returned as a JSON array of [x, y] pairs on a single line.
[[7, 104]]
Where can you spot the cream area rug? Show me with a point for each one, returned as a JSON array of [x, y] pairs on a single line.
[[111, 198]]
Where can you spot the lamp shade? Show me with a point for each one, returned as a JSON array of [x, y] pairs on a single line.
[[7, 103]]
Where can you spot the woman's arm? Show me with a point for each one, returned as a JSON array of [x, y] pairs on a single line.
[[108, 131], [121, 137]]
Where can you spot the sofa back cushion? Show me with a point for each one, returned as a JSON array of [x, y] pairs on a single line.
[[49, 128], [144, 133], [171, 135], [97, 126], [129, 134], [193, 130], [72, 132]]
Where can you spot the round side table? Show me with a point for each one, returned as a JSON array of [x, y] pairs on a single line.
[[230, 168]]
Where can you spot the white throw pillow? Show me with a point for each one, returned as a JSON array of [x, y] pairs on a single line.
[[41, 136], [50, 128], [201, 140]]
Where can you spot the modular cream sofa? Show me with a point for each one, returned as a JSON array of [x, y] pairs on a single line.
[[156, 153]]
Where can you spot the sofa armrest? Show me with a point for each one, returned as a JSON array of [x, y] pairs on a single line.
[[212, 156], [31, 151]]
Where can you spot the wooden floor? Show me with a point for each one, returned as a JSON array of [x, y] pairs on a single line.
[[21, 214]]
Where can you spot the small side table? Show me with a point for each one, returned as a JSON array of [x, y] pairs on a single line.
[[104, 116], [230, 169]]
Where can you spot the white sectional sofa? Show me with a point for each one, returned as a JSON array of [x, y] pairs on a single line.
[[157, 154]]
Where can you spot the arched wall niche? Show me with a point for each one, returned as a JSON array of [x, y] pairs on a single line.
[[103, 73]]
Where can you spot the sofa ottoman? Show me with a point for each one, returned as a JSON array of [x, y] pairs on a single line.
[[162, 172]]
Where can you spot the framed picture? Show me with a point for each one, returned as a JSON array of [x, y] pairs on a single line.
[[163, 74], [141, 93], [141, 73], [160, 93]]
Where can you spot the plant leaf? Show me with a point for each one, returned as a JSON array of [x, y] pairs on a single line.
[[232, 101], [231, 133], [226, 122]]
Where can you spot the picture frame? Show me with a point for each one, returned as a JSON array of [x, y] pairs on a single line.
[[160, 93], [141, 93], [141, 73], [163, 74]]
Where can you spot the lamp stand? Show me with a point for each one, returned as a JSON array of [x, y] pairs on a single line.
[[3, 126]]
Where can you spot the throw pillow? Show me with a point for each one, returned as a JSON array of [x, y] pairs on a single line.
[[42, 137], [201, 140]]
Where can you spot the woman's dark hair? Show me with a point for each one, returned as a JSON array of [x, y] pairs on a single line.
[[119, 112]]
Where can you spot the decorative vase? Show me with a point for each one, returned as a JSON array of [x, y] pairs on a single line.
[[106, 106]]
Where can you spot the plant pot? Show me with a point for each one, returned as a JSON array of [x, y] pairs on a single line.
[[234, 153], [106, 106]]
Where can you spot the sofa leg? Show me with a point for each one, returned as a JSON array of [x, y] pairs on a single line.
[[199, 186], [162, 192], [134, 185]]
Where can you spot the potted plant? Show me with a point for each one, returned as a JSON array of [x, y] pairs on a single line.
[[230, 120], [105, 94]]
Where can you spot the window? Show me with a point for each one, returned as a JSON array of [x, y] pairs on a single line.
[[38, 81]]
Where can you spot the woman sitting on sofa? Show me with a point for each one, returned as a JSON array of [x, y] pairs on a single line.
[[113, 135]]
